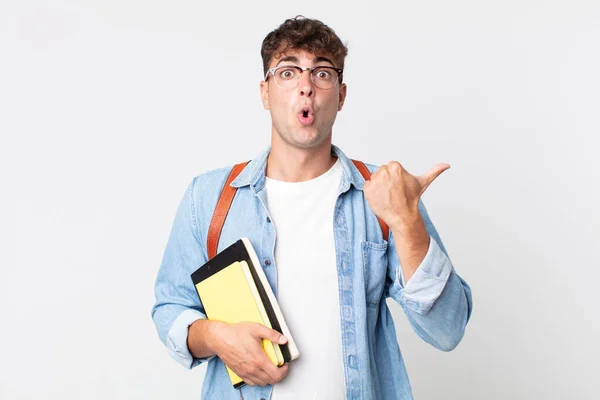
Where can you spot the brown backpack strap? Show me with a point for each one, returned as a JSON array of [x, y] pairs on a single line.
[[364, 171], [226, 198], [221, 210]]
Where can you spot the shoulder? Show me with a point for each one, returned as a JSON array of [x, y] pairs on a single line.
[[207, 186], [212, 177]]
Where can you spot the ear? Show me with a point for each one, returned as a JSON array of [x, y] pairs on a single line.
[[342, 96], [264, 94]]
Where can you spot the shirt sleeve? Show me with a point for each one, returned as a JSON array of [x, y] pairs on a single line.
[[437, 302], [429, 280], [177, 303], [177, 339]]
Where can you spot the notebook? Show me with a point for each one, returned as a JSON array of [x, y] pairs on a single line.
[[233, 288]]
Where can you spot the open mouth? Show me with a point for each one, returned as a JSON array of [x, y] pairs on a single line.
[[306, 116]]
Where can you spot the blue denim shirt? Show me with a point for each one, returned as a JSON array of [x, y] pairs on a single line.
[[436, 300]]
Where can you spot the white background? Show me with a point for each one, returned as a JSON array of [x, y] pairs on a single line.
[[108, 109]]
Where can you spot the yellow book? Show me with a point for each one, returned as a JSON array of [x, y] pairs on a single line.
[[231, 295], [233, 287]]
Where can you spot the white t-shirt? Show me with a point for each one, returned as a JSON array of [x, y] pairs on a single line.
[[307, 284]]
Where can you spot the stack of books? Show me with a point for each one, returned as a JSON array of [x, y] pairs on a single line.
[[233, 288]]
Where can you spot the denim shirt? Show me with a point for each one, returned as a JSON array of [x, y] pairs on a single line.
[[436, 301]]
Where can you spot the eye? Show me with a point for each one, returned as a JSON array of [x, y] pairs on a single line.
[[287, 73], [322, 74]]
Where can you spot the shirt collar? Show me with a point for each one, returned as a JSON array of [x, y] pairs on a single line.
[[254, 173]]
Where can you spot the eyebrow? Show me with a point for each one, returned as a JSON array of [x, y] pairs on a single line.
[[296, 60]]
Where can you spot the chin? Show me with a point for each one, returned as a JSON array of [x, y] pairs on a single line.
[[305, 142], [302, 137]]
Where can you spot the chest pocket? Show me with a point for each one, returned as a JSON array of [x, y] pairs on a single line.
[[375, 270]]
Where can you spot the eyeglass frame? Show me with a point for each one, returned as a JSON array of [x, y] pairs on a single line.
[[272, 71]]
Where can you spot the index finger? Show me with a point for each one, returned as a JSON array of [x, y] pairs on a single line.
[[275, 372]]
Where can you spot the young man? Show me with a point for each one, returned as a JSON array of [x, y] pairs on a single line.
[[331, 266]]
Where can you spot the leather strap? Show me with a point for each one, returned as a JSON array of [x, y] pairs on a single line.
[[364, 171], [228, 193], [221, 210]]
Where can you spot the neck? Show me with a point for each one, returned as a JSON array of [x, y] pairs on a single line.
[[292, 164]]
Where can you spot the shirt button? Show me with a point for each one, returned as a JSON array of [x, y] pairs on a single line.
[[352, 361], [268, 220], [347, 312], [267, 262]]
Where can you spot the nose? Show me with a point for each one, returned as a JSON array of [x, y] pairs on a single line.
[[306, 85]]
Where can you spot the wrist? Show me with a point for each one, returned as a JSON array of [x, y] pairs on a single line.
[[407, 225], [210, 334], [202, 337]]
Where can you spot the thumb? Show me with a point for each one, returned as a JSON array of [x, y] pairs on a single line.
[[270, 334], [425, 180]]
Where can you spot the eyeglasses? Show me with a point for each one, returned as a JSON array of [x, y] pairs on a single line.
[[288, 76]]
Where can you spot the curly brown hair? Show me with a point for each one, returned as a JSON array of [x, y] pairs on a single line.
[[302, 33]]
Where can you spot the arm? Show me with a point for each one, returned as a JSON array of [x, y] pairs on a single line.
[[180, 319], [177, 305], [436, 300]]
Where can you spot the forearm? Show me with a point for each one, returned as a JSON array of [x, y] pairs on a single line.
[[201, 338], [412, 242], [437, 301]]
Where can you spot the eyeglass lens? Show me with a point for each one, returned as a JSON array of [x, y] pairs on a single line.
[[323, 77]]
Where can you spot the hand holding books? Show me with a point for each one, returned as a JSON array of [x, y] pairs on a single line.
[[234, 290], [240, 347]]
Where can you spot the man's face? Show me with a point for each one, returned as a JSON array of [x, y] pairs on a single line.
[[302, 116]]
